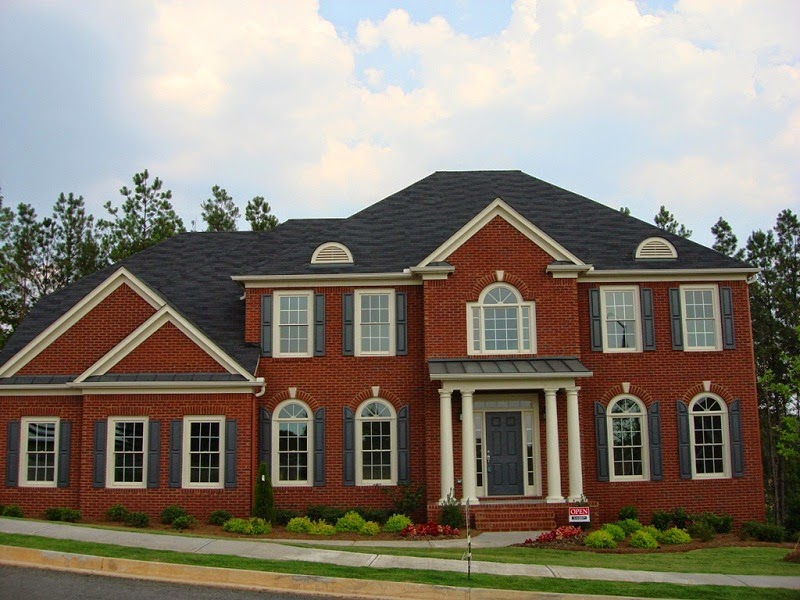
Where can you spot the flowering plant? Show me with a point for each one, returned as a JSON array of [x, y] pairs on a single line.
[[428, 530], [561, 533]]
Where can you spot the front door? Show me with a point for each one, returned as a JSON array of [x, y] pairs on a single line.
[[504, 453]]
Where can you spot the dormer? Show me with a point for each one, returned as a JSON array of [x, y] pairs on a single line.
[[656, 248], [332, 253]]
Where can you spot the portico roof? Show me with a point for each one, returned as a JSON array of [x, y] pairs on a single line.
[[554, 367]]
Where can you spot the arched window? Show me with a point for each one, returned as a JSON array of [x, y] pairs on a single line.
[[291, 435], [376, 434], [501, 323], [627, 439], [708, 425]]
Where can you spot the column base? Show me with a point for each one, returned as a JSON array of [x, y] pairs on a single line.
[[575, 498], [554, 499], [473, 501]]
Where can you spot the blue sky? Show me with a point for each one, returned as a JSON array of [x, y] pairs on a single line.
[[326, 107]]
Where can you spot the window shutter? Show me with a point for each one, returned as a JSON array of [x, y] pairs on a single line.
[[595, 320], [648, 322], [654, 434], [684, 443], [153, 452], [676, 318], [726, 302], [401, 317], [99, 454], [319, 447], [175, 449], [737, 447], [266, 325], [319, 324], [348, 325], [231, 443], [265, 433], [601, 434], [349, 430], [403, 477], [12, 454], [64, 442]]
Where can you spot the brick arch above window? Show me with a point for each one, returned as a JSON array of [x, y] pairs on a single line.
[[513, 280], [634, 390], [369, 393], [284, 395], [715, 389]]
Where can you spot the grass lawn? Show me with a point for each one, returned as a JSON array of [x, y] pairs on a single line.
[[553, 585]]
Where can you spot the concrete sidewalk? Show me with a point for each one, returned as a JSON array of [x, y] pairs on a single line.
[[275, 550]]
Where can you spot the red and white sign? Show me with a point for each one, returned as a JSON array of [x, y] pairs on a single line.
[[579, 514]]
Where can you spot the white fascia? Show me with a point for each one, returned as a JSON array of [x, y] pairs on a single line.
[[616, 276]]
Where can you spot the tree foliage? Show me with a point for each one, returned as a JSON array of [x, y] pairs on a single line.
[[259, 214], [726, 241], [219, 211], [77, 251], [666, 220]]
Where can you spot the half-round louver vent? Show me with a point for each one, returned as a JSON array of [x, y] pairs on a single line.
[[332, 253], [656, 248]]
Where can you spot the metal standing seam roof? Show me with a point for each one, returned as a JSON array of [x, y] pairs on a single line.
[[534, 367]]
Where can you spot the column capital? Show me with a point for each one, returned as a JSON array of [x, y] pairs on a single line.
[[575, 389], [443, 393]]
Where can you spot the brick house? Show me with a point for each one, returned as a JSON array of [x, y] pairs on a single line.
[[486, 334]]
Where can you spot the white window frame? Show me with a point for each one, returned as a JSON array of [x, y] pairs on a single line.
[[717, 318], [276, 421], [23, 451], [111, 452], [726, 440], [358, 296], [360, 480], [276, 323], [637, 318], [480, 306], [186, 451], [645, 439]]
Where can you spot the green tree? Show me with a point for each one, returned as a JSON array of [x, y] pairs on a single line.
[[625, 211], [726, 241], [666, 220], [264, 504], [145, 218], [219, 212], [7, 303], [77, 252], [259, 214]]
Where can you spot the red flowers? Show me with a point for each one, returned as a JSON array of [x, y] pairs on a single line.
[[428, 530], [561, 533]]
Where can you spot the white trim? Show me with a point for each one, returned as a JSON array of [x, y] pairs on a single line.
[[637, 319], [276, 323], [645, 476], [186, 451], [170, 387], [58, 389], [655, 248], [726, 441], [327, 280], [506, 381], [110, 452], [76, 313], [670, 275], [481, 306], [714, 289], [359, 420], [498, 208], [357, 297], [23, 451], [274, 435], [329, 252]]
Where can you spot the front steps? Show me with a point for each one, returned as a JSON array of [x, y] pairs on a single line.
[[515, 514]]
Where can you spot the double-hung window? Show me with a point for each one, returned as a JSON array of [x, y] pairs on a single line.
[[501, 323], [627, 442], [127, 444], [708, 424], [620, 309], [203, 445], [375, 322], [292, 437], [293, 323], [701, 320], [376, 432], [39, 451]]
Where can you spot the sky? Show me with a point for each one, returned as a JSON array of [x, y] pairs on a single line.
[[325, 107]]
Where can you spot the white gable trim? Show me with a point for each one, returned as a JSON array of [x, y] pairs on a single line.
[[498, 208], [120, 277]]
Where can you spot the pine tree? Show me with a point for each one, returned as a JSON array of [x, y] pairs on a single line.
[[219, 212], [726, 241], [666, 220], [259, 214], [77, 252]]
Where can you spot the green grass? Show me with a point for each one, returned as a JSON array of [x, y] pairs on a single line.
[[553, 585]]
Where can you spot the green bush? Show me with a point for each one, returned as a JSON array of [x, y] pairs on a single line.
[[628, 511], [643, 539], [651, 530], [396, 523], [680, 518], [350, 522], [139, 520], [674, 535], [69, 515], [251, 526], [321, 527], [719, 523], [407, 499], [184, 522], [299, 525], [264, 505], [370, 528], [117, 513], [615, 531], [629, 526], [379, 515], [600, 539], [322, 512], [172, 512], [13, 510], [661, 520], [218, 517], [452, 514], [762, 532], [283, 516], [701, 530]]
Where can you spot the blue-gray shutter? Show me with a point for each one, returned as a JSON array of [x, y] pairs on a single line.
[[648, 321], [726, 304], [403, 466], [349, 438], [601, 435], [175, 450], [401, 318], [348, 325], [266, 325], [595, 320], [99, 454], [12, 454], [265, 435], [64, 442], [676, 318], [684, 442], [737, 447], [153, 453], [654, 435], [319, 324], [231, 444], [319, 447]]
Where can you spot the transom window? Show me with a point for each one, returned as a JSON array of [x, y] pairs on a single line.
[[126, 452], [374, 322], [501, 323], [627, 439], [39, 451], [294, 315], [709, 436], [203, 437], [620, 323], [291, 436], [700, 317], [377, 452]]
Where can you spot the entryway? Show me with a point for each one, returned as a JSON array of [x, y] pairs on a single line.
[[504, 454]]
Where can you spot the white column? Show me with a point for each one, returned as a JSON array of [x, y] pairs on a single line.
[[574, 446], [446, 444], [553, 454], [468, 468]]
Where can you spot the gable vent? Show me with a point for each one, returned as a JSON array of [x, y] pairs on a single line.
[[332, 253], [656, 248]]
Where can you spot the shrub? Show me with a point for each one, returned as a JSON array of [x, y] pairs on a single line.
[[283, 516], [69, 515], [629, 526], [600, 539], [321, 527], [451, 513], [615, 531], [702, 530], [396, 523], [218, 517], [643, 539], [370, 528], [564, 532], [379, 515], [628, 511], [184, 522], [680, 518], [117, 513], [762, 532], [661, 520], [299, 525], [264, 505], [674, 535], [13, 510], [251, 526], [137, 519], [719, 523], [406, 499], [651, 530], [325, 513], [428, 530], [172, 512], [350, 522]]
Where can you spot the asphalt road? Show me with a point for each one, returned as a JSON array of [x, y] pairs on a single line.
[[18, 583]]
